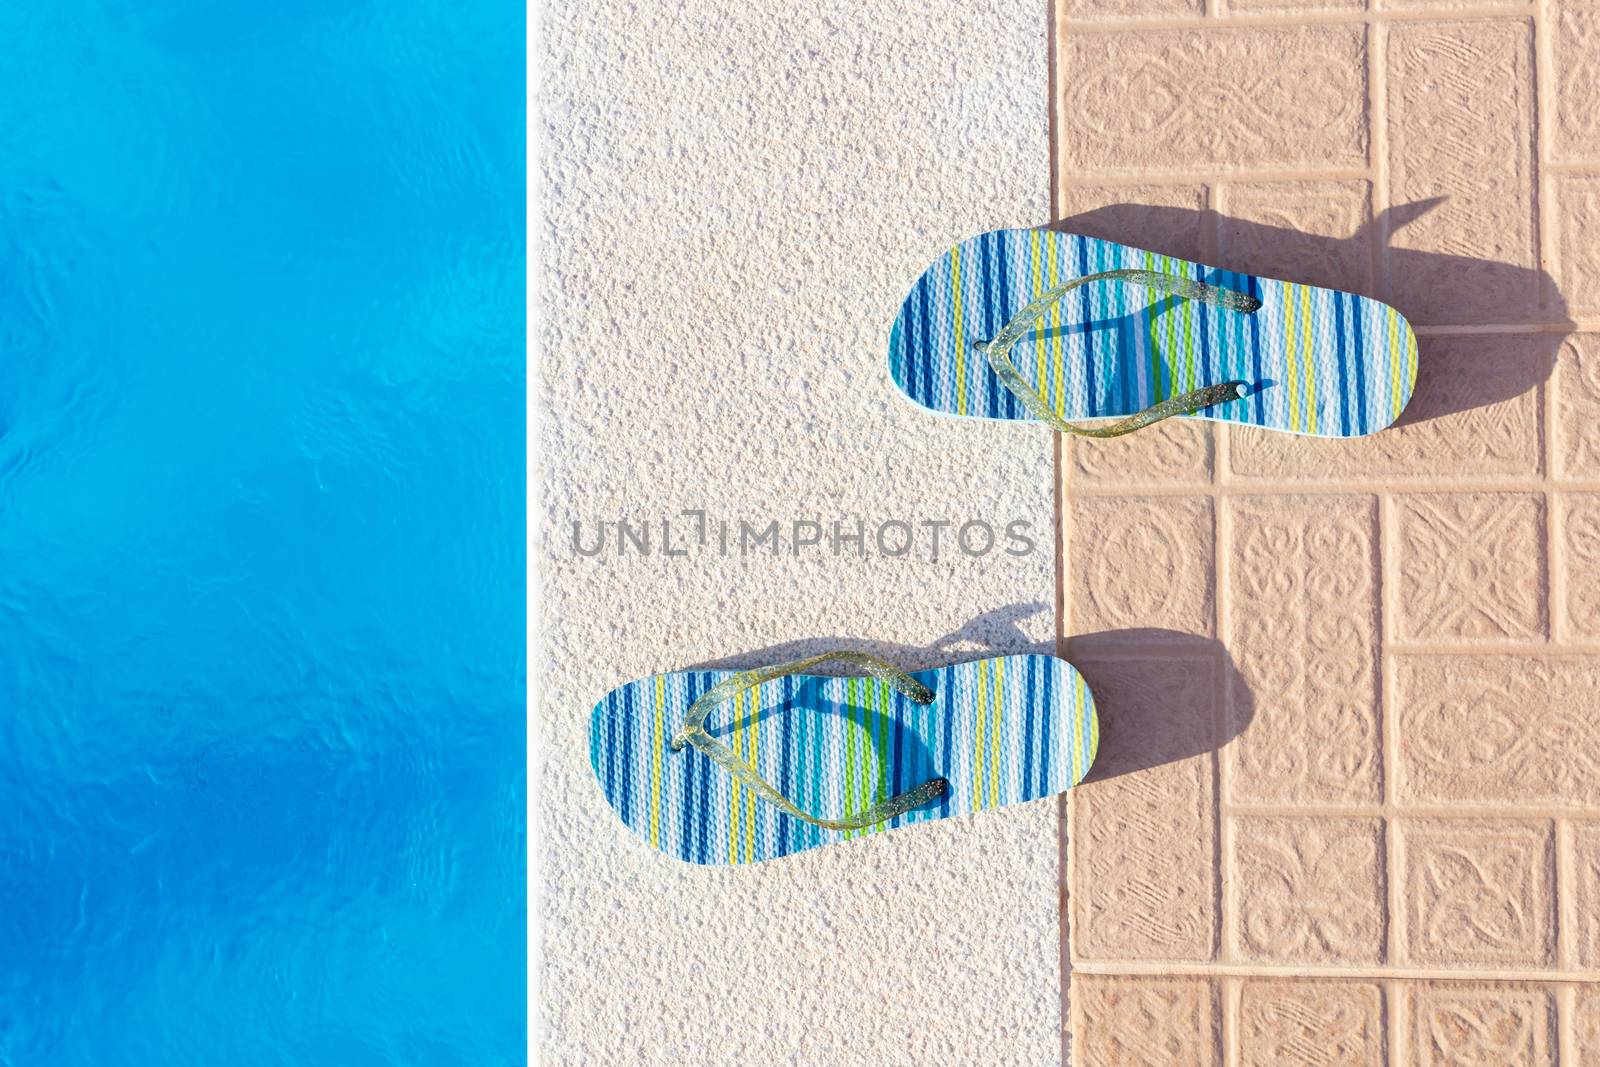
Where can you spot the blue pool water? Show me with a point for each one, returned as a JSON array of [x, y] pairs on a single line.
[[261, 532]]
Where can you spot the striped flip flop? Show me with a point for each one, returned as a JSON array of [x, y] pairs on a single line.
[[732, 767], [1036, 325]]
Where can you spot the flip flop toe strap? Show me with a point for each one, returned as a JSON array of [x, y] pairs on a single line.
[[694, 734], [998, 351]]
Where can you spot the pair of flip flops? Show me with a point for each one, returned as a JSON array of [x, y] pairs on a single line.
[[1019, 325]]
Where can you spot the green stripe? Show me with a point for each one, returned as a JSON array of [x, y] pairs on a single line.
[[1188, 342], [849, 752], [864, 783], [1151, 341]]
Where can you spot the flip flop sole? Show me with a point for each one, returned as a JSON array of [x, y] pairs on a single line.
[[1001, 731], [1319, 361]]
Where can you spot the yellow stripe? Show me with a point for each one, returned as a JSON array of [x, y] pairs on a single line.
[[1159, 337], [1055, 332], [881, 705], [1311, 369], [1094, 722], [994, 732], [1290, 366], [961, 339], [1077, 717], [1394, 360], [977, 744], [1039, 359], [655, 770], [750, 797], [1084, 708], [869, 747], [733, 791]]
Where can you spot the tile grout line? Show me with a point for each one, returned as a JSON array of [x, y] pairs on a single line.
[[1539, 149], [1444, 812], [1547, 250], [1387, 729], [1323, 20], [1380, 199], [1566, 998], [1221, 537], [1378, 152], [1556, 597], [1545, 220], [1221, 577], [1224, 926], [1055, 26], [1230, 989], [1114, 178], [1164, 650], [1394, 997], [1247, 488], [1376, 973]]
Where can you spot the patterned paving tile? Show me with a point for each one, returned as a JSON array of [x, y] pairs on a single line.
[[1460, 130], [1476, 893], [1577, 385], [1471, 566], [1143, 851], [1495, 732], [1481, 1024], [1273, 97], [1314, 232], [1302, 612], [1473, 414], [1287, 1021], [1351, 684], [1145, 1022], [1125, 541], [1575, 31], [1310, 889]]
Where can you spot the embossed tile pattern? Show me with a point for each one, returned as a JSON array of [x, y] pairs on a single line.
[[1460, 132], [1476, 893], [1348, 808], [1308, 889], [1146, 1022], [1577, 432], [1471, 566], [1274, 97], [1472, 413], [1481, 1024], [1586, 1026], [1127, 540], [1301, 621], [1145, 885], [1312, 1023]]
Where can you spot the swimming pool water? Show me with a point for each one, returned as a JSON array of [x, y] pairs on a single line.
[[261, 532]]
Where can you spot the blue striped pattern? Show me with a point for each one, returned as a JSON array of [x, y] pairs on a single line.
[[1320, 361], [1002, 731]]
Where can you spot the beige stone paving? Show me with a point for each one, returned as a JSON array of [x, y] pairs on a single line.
[[1347, 809]]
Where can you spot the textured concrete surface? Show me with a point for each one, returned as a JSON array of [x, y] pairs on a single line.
[[1347, 807], [739, 197]]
